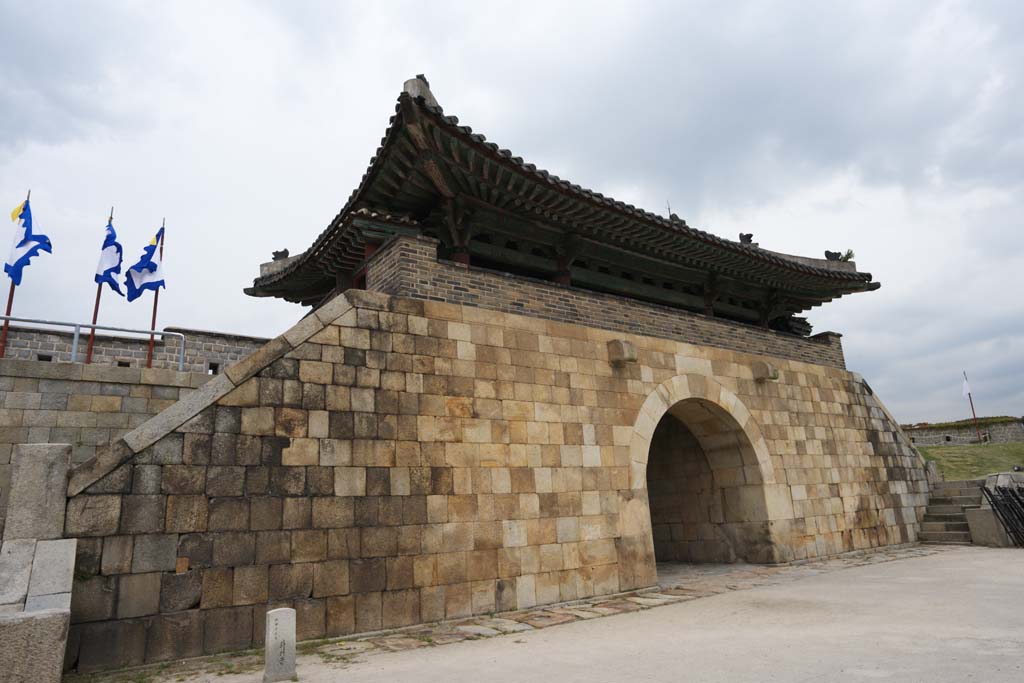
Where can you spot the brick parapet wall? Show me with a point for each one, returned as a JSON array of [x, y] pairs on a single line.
[[87, 406], [408, 266], [1003, 432], [203, 350]]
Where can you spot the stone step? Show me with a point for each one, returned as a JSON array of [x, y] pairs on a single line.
[[957, 518], [966, 483], [945, 537], [974, 492], [944, 526], [954, 500], [944, 510]]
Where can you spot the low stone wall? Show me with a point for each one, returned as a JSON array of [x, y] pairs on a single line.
[[87, 406], [36, 567], [1000, 432], [408, 266], [205, 352]]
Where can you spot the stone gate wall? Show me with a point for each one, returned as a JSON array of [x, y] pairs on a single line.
[[390, 461]]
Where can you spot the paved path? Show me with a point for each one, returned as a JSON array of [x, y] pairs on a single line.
[[922, 614]]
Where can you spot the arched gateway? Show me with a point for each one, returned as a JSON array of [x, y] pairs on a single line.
[[701, 468]]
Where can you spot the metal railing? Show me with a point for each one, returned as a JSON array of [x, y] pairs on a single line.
[[78, 329]]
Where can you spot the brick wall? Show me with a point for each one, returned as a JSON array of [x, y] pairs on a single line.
[[408, 266], [87, 406], [390, 461], [201, 348]]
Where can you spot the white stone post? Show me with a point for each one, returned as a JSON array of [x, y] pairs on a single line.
[[280, 646]]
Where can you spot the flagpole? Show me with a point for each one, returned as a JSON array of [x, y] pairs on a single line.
[[96, 308], [10, 302], [156, 297], [973, 414]]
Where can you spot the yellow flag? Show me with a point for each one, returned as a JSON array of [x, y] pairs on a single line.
[[16, 214]]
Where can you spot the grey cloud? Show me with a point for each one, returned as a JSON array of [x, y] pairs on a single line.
[[248, 124]]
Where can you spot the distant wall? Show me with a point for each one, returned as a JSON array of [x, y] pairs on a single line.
[[1001, 432], [204, 351]]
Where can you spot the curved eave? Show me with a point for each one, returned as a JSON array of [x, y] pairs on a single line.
[[589, 208]]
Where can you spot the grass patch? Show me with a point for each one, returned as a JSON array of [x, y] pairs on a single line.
[[974, 461]]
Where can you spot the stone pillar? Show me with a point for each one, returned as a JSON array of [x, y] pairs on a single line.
[[39, 482]]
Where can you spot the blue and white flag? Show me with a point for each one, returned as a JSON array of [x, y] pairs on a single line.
[[110, 260], [25, 244], [148, 272]]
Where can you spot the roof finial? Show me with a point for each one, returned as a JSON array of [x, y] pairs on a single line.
[[420, 87]]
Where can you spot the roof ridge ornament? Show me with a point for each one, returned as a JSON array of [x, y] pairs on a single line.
[[420, 87]]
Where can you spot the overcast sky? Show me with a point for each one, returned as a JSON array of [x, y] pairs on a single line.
[[893, 129]]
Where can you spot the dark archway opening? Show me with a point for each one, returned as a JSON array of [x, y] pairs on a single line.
[[705, 491]]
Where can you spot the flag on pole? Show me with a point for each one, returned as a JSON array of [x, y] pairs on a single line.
[[148, 272], [25, 244], [967, 389], [111, 256]]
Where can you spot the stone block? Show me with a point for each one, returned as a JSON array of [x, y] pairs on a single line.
[[340, 616], [225, 481], [88, 553], [93, 515], [142, 514], [138, 595], [154, 553], [175, 636], [310, 616], [38, 603], [250, 585], [233, 549], [309, 545], [181, 591], [183, 479], [111, 645], [367, 575], [332, 512], [53, 567], [97, 467], [32, 646], [227, 629], [15, 569], [117, 555], [186, 514], [273, 547], [400, 608], [35, 506], [368, 612], [218, 587], [330, 578], [301, 452], [93, 599], [228, 514], [290, 581]]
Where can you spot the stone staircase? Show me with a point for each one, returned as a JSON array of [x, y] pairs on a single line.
[[944, 519]]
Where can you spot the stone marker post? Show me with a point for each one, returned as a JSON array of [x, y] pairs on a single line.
[[280, 645]]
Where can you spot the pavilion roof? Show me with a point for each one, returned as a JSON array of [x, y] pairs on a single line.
[[428, 163]]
